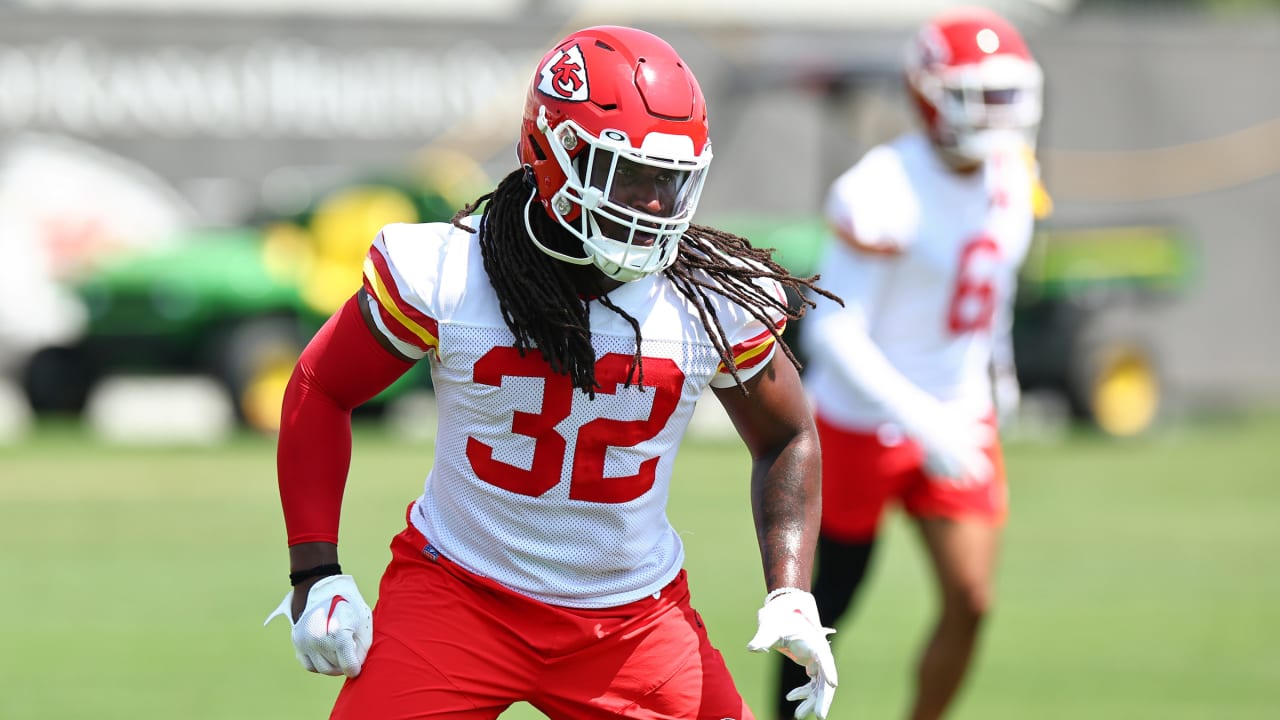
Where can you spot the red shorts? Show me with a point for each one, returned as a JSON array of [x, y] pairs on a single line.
[[451, 644], [861, 474]]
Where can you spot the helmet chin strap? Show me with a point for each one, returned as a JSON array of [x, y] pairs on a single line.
[[957, 160], [528, 227], [967, 152]]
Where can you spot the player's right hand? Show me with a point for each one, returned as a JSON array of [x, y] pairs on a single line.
[[954, 448], [333, 633]]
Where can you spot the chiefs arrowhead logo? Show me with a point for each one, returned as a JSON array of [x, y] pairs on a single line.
[[933, 47], [565, 76]]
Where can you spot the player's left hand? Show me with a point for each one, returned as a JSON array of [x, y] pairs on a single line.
[[789, 623], [333, 633]]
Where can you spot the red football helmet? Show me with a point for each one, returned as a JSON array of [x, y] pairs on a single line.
[[615, 131], [974, 82]]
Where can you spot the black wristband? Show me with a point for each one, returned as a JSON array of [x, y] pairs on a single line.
[[318, 571]]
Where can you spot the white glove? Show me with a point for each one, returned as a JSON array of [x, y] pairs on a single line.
[[1008, 397], [954, 446], [789, 624], [333, 633]]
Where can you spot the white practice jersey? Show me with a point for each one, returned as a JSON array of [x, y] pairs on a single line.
[[932, 284], [555, 495]]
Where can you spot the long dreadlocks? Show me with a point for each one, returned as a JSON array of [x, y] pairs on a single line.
[[541, 305]]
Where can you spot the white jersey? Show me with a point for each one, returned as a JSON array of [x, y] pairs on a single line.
[[932, 284], [555, 495]]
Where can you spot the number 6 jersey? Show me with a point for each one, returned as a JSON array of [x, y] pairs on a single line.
[[534, 484], [926, 263]]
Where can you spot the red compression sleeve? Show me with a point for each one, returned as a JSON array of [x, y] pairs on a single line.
[[342, 367]]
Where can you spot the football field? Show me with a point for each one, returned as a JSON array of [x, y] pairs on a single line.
[[1139, 580]]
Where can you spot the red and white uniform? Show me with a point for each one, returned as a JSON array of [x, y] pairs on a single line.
[[535, 485], [931, 285]]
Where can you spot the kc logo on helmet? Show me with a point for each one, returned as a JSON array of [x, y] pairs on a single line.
[[565, 76], [932, 47]]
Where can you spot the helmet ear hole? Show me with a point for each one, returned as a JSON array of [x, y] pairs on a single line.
[[537, 149]]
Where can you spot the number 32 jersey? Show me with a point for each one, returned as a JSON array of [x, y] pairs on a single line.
[[534, 484]]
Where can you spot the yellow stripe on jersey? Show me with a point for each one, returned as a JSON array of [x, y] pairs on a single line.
[[745, 358], [752, 351], [388, 302]]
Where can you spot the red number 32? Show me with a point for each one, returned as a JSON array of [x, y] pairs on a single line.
[[588, 482]]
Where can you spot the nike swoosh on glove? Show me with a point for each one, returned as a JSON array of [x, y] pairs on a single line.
[[789, 624], [334, 631]]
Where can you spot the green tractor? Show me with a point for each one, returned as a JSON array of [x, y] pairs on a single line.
[[237, 304], [1077, 323], [1075, 337]]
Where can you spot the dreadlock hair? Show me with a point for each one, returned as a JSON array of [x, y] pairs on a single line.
[[542, 308]]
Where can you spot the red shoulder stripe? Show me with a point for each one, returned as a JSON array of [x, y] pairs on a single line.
[[403, 319], [752, 352]]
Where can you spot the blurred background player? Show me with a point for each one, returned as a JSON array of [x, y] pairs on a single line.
[[570, 328], [930, 231]]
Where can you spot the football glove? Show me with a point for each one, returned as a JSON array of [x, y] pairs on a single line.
[[789, 623], [1008, 398], [954, 446], [333, 633]]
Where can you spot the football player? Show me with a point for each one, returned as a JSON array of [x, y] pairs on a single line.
[[928, 233], [570, 326]]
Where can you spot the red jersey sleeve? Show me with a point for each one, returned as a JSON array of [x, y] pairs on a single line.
[[341, 368]]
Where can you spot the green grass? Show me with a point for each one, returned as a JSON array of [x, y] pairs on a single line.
[[1139, 580]]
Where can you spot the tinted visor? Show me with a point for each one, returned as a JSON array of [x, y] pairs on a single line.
[[973, 106], [650, 187], [989, 96]]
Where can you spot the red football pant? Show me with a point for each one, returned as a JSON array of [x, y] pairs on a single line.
[[451, 644], [861, 475]]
